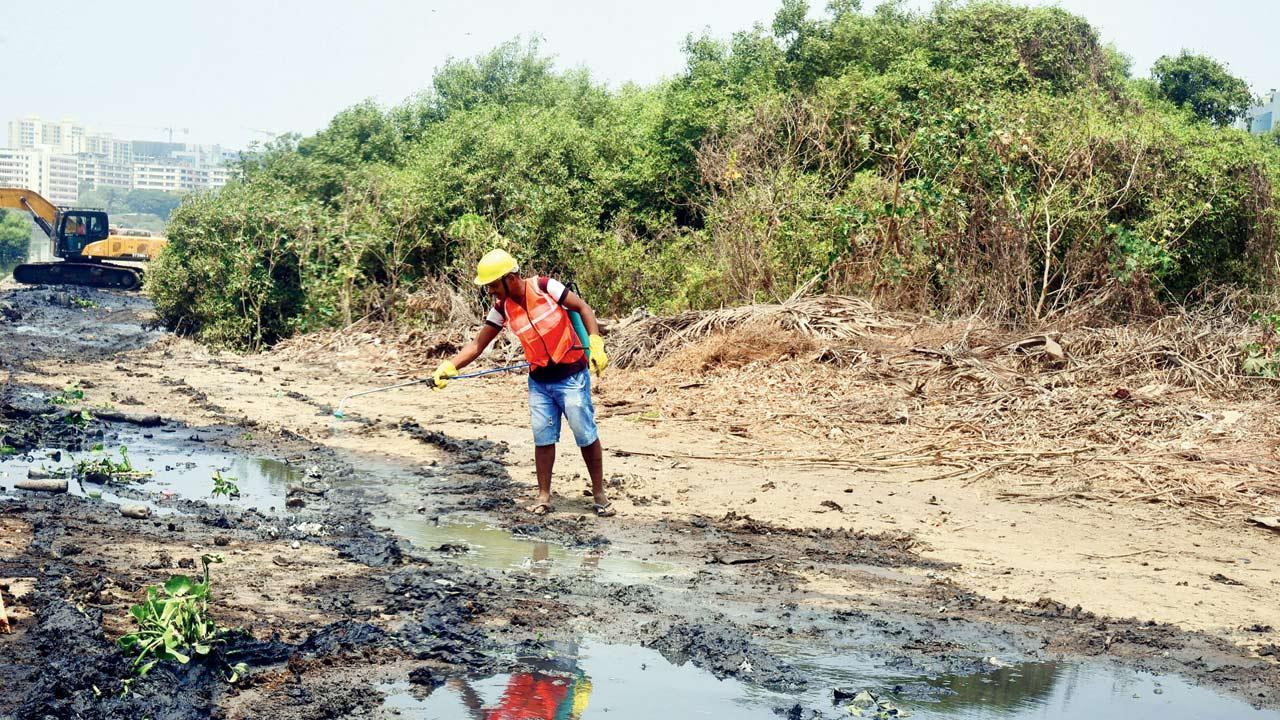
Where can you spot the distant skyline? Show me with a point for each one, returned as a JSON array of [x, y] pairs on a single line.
[[237, 71]]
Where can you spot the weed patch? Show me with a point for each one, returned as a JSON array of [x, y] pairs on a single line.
[[174, 624], [101, 467], [225, 485]]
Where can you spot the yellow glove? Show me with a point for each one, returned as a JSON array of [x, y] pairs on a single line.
[[599, 361], [443, 373]]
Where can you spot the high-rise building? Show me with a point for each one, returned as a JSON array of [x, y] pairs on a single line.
[[66, 137], [26, 132], [178, 177], [55, 158], [63, 182], [152, 150], [53, 175], [98, 171], [1266, 116], [114, 150], [15, 168]]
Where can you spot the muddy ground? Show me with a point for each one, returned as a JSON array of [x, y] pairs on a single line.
[[332, 610]]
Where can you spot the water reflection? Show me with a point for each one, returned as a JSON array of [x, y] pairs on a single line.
[[493, 548], [177, 469], [625, 682], [1026, 684], [556, 690]]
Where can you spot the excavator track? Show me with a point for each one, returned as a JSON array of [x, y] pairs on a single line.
[[101, 275]]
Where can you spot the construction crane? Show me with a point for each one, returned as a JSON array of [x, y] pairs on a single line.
[[82, 237]]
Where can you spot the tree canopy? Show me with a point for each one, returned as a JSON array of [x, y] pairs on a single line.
[[15, 235], [975, 156], [1202, 85]]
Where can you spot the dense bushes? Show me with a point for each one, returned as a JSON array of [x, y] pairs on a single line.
[[979, 157], [15, 235]]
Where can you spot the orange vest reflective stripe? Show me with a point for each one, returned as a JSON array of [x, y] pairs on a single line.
[[543, 327]]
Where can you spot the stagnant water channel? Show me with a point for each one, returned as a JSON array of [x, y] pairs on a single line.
[[593, 678]]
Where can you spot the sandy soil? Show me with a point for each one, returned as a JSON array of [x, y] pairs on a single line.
[[1133, 560], [772, 534]]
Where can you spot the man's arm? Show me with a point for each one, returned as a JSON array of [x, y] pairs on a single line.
[[472, 350], [599, 360], [575, 303]]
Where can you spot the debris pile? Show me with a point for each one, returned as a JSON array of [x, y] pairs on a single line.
[[1155, 411]]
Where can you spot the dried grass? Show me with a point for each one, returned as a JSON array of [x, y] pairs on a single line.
[[830, 318], [1153, 411], [738, 347]]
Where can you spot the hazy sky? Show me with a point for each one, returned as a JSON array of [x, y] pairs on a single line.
[[225, 71]]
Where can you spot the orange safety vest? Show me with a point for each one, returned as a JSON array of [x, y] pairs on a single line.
[[543, 327]]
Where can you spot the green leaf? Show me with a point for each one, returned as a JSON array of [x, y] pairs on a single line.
[[179, 585]]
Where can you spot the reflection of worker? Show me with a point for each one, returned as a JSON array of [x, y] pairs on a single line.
[[542, 561], [532, 696], [559, 691], [537, 310]]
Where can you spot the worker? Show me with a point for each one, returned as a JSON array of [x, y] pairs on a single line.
[[536, 310]]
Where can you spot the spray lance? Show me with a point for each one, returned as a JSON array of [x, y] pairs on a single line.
[[509, 368], [579, 328]]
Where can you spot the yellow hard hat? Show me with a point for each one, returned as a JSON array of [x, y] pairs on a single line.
[[494, 265]]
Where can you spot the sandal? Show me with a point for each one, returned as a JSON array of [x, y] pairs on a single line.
[[540, 508], [605, 510]]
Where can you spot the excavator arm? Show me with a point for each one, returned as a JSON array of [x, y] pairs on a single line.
[[44, 212]]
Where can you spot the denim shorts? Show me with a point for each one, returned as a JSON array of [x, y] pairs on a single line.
[[570, 397]]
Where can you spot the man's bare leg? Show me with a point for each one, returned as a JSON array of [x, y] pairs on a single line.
[[593, 455], [544, 461]]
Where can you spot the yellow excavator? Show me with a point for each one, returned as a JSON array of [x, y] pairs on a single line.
[[83, 238]]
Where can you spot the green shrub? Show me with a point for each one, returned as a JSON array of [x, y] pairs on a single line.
[[978, 157]]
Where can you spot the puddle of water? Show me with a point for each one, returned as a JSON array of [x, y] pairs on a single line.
[[487, 547], [493, 548], [620, 682], [181, 469]]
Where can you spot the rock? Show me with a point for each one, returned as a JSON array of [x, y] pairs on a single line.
[[1220, 578], [141, 420], [864, 699], [221, 540], [425, 676], [1270, 522], [295, 502], [797, 712], [137, 512], [295, 545]]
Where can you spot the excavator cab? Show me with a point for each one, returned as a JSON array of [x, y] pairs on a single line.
[[78, 228]]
